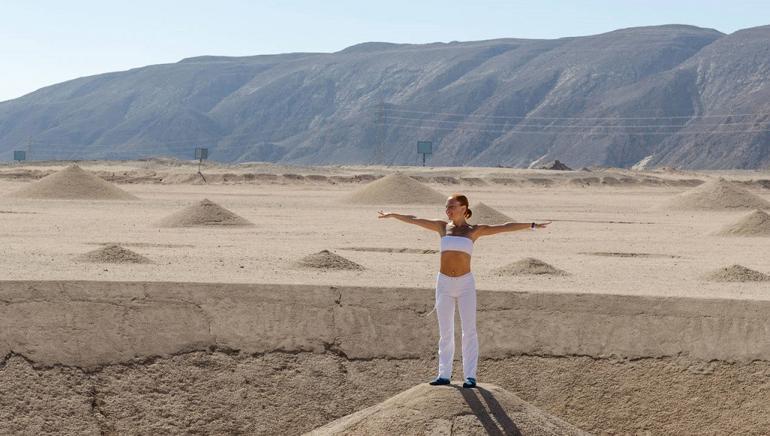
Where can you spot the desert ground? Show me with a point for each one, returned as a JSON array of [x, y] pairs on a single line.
[[627, 244]]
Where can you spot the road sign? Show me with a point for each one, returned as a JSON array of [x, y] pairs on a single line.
[[424, 148], [19, 155]]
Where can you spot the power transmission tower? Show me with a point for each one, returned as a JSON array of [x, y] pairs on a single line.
[[379, 134]]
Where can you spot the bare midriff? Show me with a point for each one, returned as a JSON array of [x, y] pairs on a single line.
[[455, 263]]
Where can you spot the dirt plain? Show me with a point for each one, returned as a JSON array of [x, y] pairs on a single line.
[[611, 238], [610, 234]]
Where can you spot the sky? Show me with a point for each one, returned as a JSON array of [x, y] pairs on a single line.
[[43, 42]]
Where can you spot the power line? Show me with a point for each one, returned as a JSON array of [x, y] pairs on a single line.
[[521, 117], [381, 115], [460, 122], [184, 144], [586, 132], [472, 123]]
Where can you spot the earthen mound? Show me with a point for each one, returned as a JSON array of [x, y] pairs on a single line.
[[556, 165], [736, 273], [204, 213], [527, 267], [629, 254], [450, 410], [717, 195], [392, 250], [483, 214], [756, 223], [396, 189], [112, 254], [327, 260], [72, 183]]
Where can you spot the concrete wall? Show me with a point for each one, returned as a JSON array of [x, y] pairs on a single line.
[[89, 324]]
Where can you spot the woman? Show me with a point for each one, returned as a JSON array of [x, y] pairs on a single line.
[[455, 282]]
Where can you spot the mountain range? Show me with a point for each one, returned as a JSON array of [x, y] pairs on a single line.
[[670, 95]]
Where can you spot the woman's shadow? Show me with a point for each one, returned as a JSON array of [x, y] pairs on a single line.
[[493, 417]]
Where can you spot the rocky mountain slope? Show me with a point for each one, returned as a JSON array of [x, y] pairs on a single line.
[[666, 95]]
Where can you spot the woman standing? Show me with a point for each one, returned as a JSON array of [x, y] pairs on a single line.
[[455, 282]]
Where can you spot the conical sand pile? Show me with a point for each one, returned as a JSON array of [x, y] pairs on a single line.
[[204, 213], [527, 267], [756, 223], [483, 214], [112, 254], [717, 195], [449, 410], [72, 183], [396, 189], [325, 259], [736, 273]]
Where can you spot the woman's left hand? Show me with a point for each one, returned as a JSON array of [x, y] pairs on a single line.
[[542, 225]]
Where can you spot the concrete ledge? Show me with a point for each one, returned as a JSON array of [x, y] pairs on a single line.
[[89, 324]]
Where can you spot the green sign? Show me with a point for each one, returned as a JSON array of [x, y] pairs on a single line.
[[425, 147]]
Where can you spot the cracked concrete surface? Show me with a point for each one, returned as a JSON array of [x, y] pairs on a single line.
[[88, 324], [291, 393], [152, 357]]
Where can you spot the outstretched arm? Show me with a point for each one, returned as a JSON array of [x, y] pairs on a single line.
[[487, 230], [435, 225]]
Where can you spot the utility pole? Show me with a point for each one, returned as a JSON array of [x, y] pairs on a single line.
[[379, 133], [201, 154]]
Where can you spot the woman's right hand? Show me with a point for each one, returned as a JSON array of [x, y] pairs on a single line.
[[384, 215]]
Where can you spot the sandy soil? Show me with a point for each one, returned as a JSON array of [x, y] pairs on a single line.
[[609, 234], [610, 239]]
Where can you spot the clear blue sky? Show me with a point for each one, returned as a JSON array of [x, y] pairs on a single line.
[[43, 42]]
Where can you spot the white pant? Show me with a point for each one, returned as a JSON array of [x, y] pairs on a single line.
[[463, 290]]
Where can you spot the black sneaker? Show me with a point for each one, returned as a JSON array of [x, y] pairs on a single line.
[[439, 382], [470, 382]]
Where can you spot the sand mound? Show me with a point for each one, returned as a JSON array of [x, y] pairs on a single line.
[[756, 223], [325, 259], [112, 254], [392, 250], [73, 183], [528, 266], [629, 254], [715, 195], [396, 189], [204, 213], [450, 410], [483, 214], [736, 273]]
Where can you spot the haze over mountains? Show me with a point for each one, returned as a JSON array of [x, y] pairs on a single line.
[[666, 95]]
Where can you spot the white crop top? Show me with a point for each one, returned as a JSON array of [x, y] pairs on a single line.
[[457, 243]]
